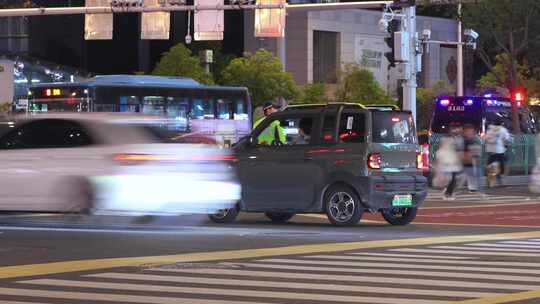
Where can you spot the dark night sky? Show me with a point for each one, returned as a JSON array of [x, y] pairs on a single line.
[[60, 39]]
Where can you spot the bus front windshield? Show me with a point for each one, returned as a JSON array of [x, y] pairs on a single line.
[[60, 99], [447, 114]]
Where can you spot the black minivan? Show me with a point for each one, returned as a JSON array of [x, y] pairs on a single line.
[[338, 158]]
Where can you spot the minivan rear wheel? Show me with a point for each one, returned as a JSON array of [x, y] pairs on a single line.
[[343, 207], [279, 217], [399, 215], [224, 216]]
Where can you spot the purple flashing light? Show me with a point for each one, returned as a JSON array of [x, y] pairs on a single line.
[[488, 95], [489, 102], [445, 102], [469, 102]]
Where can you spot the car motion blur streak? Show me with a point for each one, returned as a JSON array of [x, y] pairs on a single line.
[[109, 163]]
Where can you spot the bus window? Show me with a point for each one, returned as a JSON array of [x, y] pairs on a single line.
[[130, 104], [154, 105], [202, 108], [240, 112], [224, 109]]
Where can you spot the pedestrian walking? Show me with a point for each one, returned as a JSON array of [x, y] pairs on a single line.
[[471, 157], [448, 164], [496, 138]]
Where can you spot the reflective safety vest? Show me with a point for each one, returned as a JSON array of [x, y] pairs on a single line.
[[273, 132]]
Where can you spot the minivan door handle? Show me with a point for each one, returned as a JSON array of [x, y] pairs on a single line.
[[308, 159]]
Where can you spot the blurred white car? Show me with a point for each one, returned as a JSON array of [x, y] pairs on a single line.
[[109, 163]]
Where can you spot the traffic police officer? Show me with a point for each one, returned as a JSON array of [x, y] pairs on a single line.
[[274, 132]]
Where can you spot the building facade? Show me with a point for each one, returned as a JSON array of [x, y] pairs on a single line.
[[318, 43]]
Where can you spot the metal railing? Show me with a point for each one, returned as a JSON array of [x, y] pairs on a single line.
[[520, 153]]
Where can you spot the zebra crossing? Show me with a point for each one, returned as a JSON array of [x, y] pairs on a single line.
[[429, 274]]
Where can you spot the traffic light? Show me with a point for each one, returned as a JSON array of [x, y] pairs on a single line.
[[393, 26], [519, 96]]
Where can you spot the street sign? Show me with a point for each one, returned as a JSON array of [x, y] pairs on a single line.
[[208, 24], [270, 22], [155, 25], [98, 26]]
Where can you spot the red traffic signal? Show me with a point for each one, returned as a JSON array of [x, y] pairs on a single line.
[[519, 97]]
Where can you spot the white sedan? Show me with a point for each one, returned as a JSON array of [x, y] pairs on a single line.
[[104, 163]]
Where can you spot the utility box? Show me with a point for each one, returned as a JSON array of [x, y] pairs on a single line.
[[402, 45]]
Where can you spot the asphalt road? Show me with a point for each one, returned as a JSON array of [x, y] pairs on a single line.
[[477, 249]]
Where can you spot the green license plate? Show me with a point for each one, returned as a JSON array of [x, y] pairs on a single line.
[[402, 200]]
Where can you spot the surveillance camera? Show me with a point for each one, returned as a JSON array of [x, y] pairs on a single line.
[[471, 33], [383, 24], [426, 34]]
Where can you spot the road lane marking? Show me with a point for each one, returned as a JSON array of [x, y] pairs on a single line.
[[490, 249], [400, 255], [227, 292], [463, 252], [111, 297], [499, 245], [95, 264], [290, 285], [351, 278], [444, 274], [507, 298], [456, 264]]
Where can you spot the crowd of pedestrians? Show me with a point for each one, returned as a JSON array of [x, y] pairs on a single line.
[[459, 154]]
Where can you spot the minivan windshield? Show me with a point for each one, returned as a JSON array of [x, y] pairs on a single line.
[[393, 127]]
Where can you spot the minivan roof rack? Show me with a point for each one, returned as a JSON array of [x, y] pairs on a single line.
[[383, 107]]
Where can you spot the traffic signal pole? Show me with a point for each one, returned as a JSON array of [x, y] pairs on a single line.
[[409, 86]]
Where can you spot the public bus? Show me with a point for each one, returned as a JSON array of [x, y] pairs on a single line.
[[482, 111], [221, 113]]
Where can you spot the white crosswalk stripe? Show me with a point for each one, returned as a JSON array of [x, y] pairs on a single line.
[[420, 260], [354, 278], [445, 274], [400, 255], [463, 252], [291, 285], [486, 249], [400, 265], [530, 242], [224, 292], [426, 274], [499, 245]]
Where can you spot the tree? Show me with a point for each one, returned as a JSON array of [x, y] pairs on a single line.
[[360, 86], [178, 61], [510, 27], [15, 3], [498, 79], [263, 74], [312, 93], [506, 26], [424, 102]]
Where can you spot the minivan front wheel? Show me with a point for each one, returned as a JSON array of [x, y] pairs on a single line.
[[343, 206], [399, 215], [224, 216]]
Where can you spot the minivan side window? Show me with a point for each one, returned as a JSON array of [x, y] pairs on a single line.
[[47, 133], [352, 128], [290, 131]]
